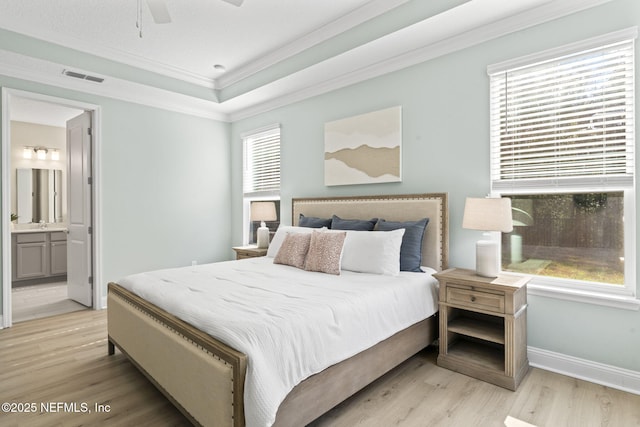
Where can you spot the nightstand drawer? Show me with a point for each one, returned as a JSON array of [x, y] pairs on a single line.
[[250, 251], [480, 300], [244, 254]]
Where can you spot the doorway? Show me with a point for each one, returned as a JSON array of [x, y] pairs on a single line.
[[42, 265]]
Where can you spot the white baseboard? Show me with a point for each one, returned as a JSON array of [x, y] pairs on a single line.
[[610, 376], [103, 303]]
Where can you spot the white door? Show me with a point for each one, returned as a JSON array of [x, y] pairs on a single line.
[[79, 244]]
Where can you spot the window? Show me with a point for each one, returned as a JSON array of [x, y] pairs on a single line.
[[562, 148], [261, 175], [577, 236]]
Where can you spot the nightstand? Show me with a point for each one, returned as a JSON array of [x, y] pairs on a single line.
[[483, 326], [250, 251]]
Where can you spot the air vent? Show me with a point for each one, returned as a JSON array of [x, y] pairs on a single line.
[[82, 76]]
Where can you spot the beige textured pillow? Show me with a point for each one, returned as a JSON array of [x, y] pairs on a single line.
[[325, 252], [294, 250]]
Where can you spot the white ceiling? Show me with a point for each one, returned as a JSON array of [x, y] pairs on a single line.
[[43, 113], [257, 43], [201, 34]]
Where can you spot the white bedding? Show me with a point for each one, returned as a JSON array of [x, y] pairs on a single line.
[[290, 323]]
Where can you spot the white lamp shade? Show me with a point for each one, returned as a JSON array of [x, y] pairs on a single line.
[[263, 211], [27, 152], [488, 214], [41, 153]]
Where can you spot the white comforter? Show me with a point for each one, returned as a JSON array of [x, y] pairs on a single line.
[[290, 323]]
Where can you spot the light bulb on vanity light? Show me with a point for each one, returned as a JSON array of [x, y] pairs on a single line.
[[55, 155], [487, 214], [41, 153], [27, 152]]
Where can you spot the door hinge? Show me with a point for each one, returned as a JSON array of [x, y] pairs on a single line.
[[89, 132], [91, 280], [90, 230], [89, 180]]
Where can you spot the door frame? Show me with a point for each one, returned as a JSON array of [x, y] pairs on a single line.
[[99, 301]]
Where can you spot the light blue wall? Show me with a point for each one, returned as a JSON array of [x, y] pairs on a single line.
[[165, 185], [446, 148], [165, 189]]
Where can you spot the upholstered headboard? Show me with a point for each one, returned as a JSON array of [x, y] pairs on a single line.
[[409, 207]]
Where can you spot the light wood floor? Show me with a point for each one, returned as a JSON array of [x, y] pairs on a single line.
[[38, 301], [63, 359]]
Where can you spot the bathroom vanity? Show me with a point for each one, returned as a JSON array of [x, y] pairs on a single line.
[[39, 255]]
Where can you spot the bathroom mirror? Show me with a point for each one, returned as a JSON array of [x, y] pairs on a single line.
[[39, 195]]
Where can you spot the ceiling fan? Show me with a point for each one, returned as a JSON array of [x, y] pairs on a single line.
[[160, 13]]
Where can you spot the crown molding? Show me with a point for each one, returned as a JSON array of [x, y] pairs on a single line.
[[115, 55], [319, 35], [344, 23], [545, 12], [50, 73]]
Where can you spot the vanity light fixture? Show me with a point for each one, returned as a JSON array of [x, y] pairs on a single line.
[[41, 153]]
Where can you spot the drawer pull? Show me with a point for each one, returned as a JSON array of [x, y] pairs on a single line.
[[475, 299]]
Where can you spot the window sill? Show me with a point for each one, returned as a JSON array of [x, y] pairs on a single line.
[[588, 297]]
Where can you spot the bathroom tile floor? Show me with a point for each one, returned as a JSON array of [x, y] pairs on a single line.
[[37, 301]]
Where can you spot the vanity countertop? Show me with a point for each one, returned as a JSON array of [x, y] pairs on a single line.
[[38, 230]]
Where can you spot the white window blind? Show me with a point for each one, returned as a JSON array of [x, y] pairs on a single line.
[[565, 122], [262, 163]]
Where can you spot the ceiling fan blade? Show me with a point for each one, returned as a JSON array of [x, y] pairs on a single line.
[[159, 11], [234, 2]]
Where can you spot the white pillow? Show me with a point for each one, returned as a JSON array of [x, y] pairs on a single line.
[[281, 234], [376, 252]]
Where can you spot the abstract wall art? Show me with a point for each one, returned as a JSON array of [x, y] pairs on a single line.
[[364, 149]]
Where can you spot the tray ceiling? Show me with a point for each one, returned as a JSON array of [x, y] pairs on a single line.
[[273, 52]]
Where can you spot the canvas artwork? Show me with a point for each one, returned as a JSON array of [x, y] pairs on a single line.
[[364, 149]]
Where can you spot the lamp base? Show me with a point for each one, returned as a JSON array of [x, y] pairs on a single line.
[[263, 236], [487, 261], [516, 249]]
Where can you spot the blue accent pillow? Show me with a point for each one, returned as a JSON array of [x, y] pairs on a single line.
[[411, 248], [313, 222], [338, 223]]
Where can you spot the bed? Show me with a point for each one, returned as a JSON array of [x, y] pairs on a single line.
[[205, 378]]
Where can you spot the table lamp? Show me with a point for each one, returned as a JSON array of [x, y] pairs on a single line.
[[487, 214], [263, 211]]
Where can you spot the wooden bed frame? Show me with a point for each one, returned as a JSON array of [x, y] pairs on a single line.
[[204, 378]]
